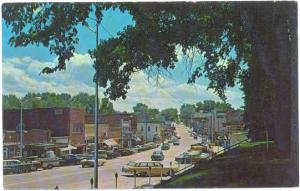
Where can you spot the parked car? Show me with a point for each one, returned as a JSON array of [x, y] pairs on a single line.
[[133, 150], [35, 164], [102, 154], [142, 169], [198, 157], [165, 146], [183, 158], [176, 142], [50, 161], [16, 166], [140, 148], [69, 159], [125, 167], [89, 162], [150, 145], [126, 152], [81, 156], [157, 156]]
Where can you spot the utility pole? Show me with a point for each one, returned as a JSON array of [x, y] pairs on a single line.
[[96, 116]]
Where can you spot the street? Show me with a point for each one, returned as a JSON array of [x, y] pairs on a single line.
[[75, 177]]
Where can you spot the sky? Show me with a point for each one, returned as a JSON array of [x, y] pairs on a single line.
[[21, 72]]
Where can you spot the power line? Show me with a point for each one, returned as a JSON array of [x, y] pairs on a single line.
[[106, 30]]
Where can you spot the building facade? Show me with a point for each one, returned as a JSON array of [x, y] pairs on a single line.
[[11, 141], [60, 122], [212, 121], [118, 127], [149, 131]]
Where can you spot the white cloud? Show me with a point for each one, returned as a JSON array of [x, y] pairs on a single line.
[[21, 75]]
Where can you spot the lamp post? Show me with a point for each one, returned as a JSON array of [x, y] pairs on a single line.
[[21, 123], [96, 109]]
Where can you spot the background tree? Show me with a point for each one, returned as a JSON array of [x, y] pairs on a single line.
[[186, 110], [144, 113], [170, 114], [106, 107], [84, 100], [209, 105], [10, 102]]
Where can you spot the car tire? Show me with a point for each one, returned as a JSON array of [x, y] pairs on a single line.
[[49, 166]]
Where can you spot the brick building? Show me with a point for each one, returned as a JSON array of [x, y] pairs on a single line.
[[60, 122], [113, 126], [11, 141]]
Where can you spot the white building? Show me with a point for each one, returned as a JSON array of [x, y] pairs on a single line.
[[149, 131], [216, 120], [126, 133]]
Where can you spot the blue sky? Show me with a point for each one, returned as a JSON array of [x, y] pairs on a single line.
[[21, 67]]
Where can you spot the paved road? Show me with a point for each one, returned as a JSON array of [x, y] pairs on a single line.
[[75, 177]]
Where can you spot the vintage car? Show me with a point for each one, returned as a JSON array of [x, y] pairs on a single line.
[[183, 158], [89, 162], [165, 146], [157, 156], [16, 166], [69, 159], [176, 142], [153, 168]]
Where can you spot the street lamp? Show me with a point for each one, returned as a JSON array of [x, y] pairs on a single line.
[[96, 109], [21, 122]]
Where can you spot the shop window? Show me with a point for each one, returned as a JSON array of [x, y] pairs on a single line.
[[77, 128]]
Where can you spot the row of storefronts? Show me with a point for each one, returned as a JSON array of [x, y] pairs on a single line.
[[70, 130]]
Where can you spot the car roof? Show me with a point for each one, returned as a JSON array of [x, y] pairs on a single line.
[[11, 160], [147, 161]]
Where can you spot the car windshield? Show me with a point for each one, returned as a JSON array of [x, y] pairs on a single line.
[[157, 153]]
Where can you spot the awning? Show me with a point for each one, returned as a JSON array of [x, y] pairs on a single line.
[[111, 142], [70, 147]]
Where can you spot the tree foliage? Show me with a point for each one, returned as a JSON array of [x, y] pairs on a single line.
[[186, 111], [170, 114], [144, 113], [48, 100], [208, 105]]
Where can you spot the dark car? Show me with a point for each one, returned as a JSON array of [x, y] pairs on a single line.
[[165, 146], [183, 158], [176, 142], [157, 156], [125, 152], [69, 159], [112, 154]]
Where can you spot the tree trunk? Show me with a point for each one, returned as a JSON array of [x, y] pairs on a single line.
[[271, 49]]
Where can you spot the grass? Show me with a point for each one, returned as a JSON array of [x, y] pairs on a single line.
[[247, 166]]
